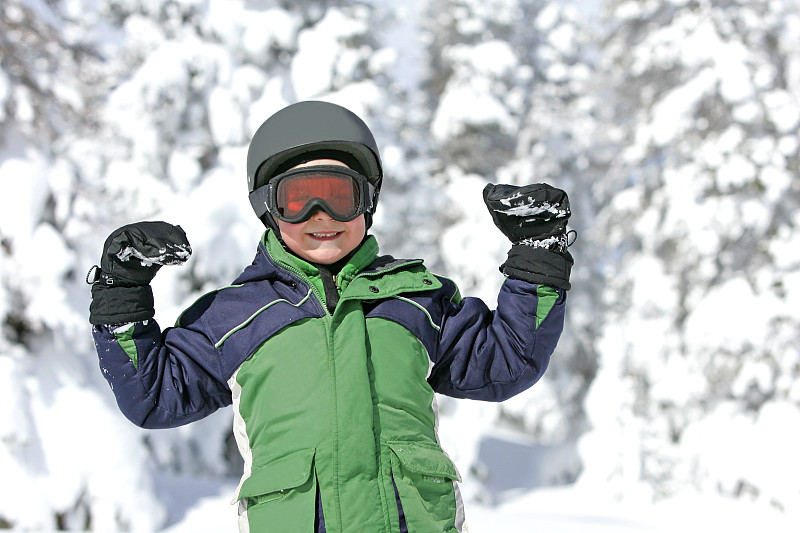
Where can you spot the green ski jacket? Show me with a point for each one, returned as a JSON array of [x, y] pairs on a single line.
[[335, 413]]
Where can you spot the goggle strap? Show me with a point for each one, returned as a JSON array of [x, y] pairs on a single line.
[[371, 197], [259, 200]]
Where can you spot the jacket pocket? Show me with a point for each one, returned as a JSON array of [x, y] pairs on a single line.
[[275, 479], [425, 460], [424, 477]]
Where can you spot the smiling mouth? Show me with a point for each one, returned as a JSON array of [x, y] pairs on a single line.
[[326, 235]]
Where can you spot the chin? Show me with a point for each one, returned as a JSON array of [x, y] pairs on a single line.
[[326, 258]]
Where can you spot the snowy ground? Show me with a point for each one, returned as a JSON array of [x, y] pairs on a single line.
[[203, 507]]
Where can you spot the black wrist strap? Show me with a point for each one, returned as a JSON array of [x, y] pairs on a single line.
[[538, 265], [120, 305]]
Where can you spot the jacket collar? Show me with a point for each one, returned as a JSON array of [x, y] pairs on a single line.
[[273, 261]]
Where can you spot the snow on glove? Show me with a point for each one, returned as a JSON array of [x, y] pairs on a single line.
[[132, 255], [534, 218]]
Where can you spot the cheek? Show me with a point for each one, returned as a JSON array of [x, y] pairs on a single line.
[[287, 230], [357, 227]]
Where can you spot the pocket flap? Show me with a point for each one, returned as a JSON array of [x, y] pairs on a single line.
[[425, 459], [281, 474]]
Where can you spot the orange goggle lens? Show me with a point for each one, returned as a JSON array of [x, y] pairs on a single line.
[[339, 193]]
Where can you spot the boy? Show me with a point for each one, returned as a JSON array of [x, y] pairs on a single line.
[[330, 354]]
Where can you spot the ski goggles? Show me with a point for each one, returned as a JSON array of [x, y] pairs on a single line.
[[295, 195]]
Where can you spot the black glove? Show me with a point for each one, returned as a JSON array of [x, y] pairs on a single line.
[[132, 255], [534, 218]]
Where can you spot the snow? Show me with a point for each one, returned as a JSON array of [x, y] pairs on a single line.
[[673, 400], [465, 106], [203, 506], [225, 120], [671, 114], [169, 255], [268, 28], [20, 212], [521, 209], [4, 92], [319, 58], [783, 110]]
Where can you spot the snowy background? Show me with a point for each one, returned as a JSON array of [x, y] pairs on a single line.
[[673, 400]]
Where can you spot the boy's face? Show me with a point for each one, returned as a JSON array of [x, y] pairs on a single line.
[[321, 239]]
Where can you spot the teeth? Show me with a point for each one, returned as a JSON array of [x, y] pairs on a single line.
[[323, 235]]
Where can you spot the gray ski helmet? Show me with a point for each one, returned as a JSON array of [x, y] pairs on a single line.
[[315, 129]]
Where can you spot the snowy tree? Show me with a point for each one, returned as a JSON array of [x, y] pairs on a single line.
[[124, 110], [62, 447], [510, 89], [699, 348], [671, 123], [563, 139]]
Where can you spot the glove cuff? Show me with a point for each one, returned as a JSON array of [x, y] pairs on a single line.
[[120, 305], [538, 265]]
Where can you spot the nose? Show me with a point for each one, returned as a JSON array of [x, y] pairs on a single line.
[[319, 214]]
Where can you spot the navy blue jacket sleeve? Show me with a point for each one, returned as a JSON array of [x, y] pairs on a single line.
[[494, 355], [162, 380]]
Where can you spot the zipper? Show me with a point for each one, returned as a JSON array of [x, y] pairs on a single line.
[[335, 445], [302, 278], [335, 436]]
